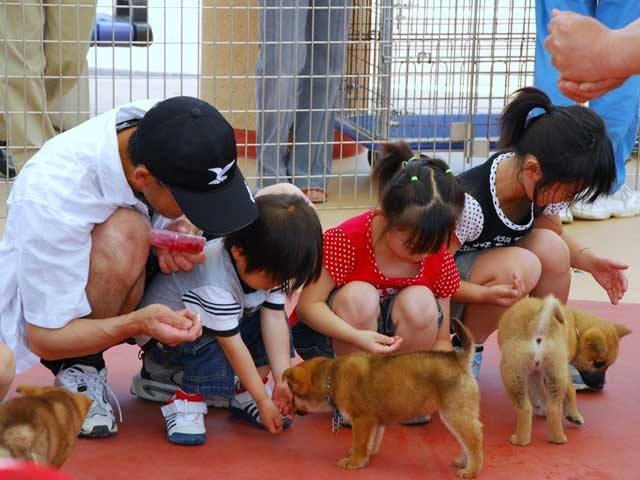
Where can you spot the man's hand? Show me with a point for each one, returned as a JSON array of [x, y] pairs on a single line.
[[169, 327], [374, 342], [171, 261], [583, 92], [580, 46], [270, 416]]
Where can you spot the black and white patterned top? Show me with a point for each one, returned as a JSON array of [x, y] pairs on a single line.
[[483, 224]]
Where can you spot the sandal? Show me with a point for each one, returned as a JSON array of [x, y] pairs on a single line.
[[316, 194]]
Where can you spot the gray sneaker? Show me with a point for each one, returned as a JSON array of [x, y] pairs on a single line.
[[100, 421], [158, 382]]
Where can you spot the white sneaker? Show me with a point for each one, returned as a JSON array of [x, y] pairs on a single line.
[[100, 421], [566, 216], [184, 418], [630, 199], [623, 203]]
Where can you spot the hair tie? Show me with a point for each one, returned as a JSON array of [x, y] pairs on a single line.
[[414, 178], [448, 170]]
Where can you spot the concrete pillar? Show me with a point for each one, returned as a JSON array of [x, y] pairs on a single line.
[[228, 58]]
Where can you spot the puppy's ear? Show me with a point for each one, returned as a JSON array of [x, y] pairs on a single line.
[[298, 379], [621, 330], [596, 341]]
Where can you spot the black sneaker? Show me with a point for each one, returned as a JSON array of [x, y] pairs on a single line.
[[6, 162]]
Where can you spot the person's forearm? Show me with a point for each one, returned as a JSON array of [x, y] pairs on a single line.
[[580, 256], [321, 318], [626, 56], [469, 293], [240, 359], [82, 336], [275, 334]]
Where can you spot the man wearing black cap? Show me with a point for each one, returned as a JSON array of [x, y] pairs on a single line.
[[75, 250]]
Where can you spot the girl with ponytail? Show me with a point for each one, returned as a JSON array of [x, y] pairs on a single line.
[[509, 242], [387, 274]]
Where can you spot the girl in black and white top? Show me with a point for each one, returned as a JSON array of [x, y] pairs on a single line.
[[509, 241]]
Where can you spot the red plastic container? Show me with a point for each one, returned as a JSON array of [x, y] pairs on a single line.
[[180, 242]]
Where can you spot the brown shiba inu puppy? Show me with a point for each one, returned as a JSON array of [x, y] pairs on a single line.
[[538, 339], [42, 425], [373, 391]]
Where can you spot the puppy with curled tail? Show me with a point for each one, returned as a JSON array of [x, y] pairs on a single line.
[[41, 426], [374, 391]]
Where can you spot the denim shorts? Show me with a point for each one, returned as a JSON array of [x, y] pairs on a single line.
[[464, 262], [206, 368], [309, 343]]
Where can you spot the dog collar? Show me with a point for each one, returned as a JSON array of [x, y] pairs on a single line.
[[328, 396]]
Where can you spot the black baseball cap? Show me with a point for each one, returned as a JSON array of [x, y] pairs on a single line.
[[189, 146]]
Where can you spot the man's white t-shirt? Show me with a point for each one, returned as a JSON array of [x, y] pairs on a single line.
[[73, 183]]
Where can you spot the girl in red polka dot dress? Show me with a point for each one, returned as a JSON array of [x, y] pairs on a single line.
[[387, 274]]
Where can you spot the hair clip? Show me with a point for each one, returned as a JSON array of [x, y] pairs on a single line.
[[448, 170], [414, 178], [412, 159]]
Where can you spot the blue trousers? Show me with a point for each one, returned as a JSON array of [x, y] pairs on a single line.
[[299, 70], [618, 108], [206, 368]]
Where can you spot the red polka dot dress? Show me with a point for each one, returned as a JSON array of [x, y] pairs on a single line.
[[348, 256]]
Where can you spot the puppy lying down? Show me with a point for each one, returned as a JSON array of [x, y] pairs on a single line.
[[374, 391], [42, 425]]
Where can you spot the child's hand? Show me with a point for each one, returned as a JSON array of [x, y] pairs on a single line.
[[283, 398], [609, 274], [374, 342], [505, 295], [270, 416]]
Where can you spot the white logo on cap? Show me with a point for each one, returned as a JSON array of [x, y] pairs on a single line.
[[220, 173]]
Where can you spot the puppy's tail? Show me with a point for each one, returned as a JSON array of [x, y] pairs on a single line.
[[467, 344]]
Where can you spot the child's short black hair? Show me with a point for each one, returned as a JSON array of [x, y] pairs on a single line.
[[418, 195], [285, 241], [570, 143]]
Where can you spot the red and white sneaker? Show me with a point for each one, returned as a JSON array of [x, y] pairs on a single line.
[[184, 418]]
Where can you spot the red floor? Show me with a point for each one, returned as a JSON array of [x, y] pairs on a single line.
[[603, 448]]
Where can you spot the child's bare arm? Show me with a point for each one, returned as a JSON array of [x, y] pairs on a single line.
[[240, 359], [275, 333], [313, 310], [503, 295]]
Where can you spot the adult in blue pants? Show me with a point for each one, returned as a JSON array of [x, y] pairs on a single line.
[[618, 108], [298, 74]]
